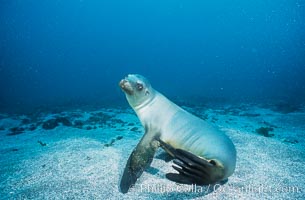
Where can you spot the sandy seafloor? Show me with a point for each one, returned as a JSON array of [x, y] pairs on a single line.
[[81, 154]]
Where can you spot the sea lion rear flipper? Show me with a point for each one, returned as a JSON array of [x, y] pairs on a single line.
[[140, 158], [192, 169], [168, 148]]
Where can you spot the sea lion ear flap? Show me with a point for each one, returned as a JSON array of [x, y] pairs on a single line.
[[147, 92]]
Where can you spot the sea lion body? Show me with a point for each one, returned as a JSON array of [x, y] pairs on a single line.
[[171, 127]]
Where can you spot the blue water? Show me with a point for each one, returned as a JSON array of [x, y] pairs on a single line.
[[76, 51]]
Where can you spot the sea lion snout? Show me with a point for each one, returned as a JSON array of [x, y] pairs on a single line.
[[127, 83], [122, 83], [126, 86]]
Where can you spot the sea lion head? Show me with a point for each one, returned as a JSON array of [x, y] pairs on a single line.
[[137, 89]]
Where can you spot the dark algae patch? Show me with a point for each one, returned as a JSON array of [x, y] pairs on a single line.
[[50, 124], [42, 143], [119, 137], [134, 129], [264, 131], [113, 141], [16, 131], [53, 123]]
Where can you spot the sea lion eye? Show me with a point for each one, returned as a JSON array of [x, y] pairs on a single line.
[[139, 86]]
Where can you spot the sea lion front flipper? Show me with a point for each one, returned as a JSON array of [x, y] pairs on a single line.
[[192, 169], [140, 158]]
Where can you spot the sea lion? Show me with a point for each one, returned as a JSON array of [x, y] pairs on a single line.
[[202, 154]]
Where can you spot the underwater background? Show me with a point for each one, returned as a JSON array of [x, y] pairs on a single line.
[[66, 129], [56, 52]]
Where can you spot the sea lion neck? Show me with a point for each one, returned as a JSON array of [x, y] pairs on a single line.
[[145, 103]]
